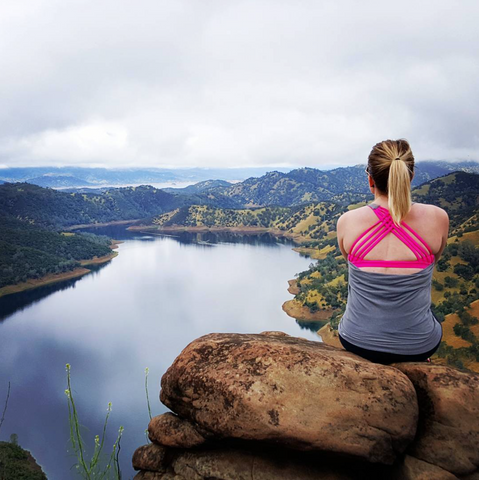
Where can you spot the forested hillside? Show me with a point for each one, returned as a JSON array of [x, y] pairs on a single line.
[[29, 252], [312, 221], [48, 207]]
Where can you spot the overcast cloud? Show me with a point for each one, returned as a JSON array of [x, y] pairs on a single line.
[[235, 83]]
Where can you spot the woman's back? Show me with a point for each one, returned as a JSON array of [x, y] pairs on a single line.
[[430, 223], [391, 247]]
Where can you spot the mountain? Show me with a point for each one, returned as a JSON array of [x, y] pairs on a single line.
[[457, 193], [330, 180], [58, 181], [80, 176], [47, 207], [200, 187], [89, 176], [296, 187], [317, 220], [344, 185], [53, 208]]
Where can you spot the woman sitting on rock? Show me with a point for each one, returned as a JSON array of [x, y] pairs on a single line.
[[391, 246]]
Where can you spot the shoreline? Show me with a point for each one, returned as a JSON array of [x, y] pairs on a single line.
[[32, 283], [296, 238], [95, 225], [299, 312]]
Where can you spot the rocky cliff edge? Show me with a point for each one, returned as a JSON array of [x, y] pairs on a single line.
[[271, 406]]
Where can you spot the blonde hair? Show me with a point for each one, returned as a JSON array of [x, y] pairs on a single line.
[[391, 166]]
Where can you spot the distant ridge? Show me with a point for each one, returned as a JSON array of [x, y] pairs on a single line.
[[343, 185], [60, 177], [200, 187], [45, 176]]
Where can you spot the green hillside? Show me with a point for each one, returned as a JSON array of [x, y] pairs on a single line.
[[30, 252], [312, 221], [457, 193], [47, 207]]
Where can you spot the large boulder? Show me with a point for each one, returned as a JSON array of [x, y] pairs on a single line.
[[301, 394], [228, 462], [170, 430], [151, 458], [448, 429]]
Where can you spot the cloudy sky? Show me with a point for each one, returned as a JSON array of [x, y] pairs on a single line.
[[223, 83]]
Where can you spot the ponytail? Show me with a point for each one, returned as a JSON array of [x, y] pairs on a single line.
[[399, 190], [391, 166]]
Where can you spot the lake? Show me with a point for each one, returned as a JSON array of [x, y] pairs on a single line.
[[139, 310]]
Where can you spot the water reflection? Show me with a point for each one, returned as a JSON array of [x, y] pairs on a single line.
[[314, 326], [139, 310], [10, 304]]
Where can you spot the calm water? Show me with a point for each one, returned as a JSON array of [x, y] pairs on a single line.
[[139, 310]]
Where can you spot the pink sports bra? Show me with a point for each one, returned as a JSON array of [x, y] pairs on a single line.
[[385, 225]]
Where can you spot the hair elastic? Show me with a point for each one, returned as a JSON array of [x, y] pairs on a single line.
[[397, 158]]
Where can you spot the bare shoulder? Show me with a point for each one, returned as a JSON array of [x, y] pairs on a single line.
[[432, 222], [431, 211], [354, 215]]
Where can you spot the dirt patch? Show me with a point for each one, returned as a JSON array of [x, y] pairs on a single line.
[[99, 260], [329, 336], [293, 287], [106, 224], [294, 309]]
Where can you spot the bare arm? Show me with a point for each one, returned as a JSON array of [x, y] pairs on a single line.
[[443, 227], [340, 229]]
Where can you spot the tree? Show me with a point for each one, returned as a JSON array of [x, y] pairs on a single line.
[[451, 282]]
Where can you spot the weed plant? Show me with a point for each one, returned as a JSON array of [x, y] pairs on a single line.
[[147, 371], [96, 467], [6, 405]]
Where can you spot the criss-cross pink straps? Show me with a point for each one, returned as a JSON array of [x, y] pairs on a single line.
[[373, 235]]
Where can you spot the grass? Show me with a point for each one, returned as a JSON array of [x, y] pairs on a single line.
[[5, 407], [96, 467]]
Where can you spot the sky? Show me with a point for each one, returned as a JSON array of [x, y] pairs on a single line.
[[243, 83]]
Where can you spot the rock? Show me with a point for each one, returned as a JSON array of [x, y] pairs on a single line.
[[236, 464], [293, 392], [154, 476], [414, 469], [227, 462], [448, 429], [171, 431], [275, 333], [150, 457], [472, 476]]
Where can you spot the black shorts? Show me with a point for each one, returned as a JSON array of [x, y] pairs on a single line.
[[384, 357]]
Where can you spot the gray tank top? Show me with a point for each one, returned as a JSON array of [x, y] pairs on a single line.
[[390, 313]]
